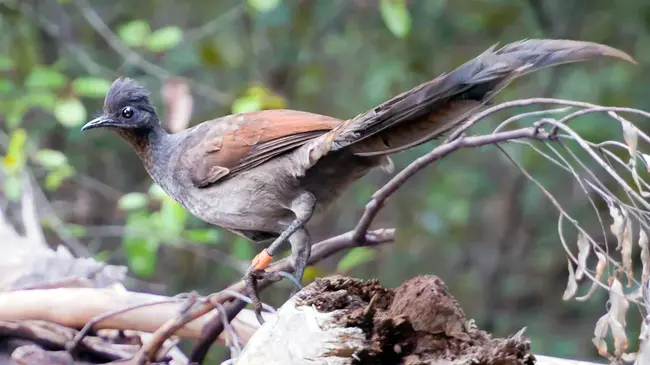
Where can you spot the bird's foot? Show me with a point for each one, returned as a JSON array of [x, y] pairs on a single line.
[[257, 273]]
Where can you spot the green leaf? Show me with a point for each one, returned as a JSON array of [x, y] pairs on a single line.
[[91, 87], [43, 99], [134, 33], [206, 235], [241, 249], [51, 158], [156, 192], [164, 39], [6, 63], [6, 86], [396, 16], [246, 104], [354, 258], [132, 201], [12, 187], [77, 230], [70, 112], [15, 158], [54, 179], [264, 6], [173, 217], [45, 78], [141, 254]]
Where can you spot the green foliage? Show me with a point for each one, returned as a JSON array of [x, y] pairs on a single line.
[[134, 33], [163, 39], [91, 87], [396, 16], [264, 6], [45, 78], [132, 201], [258, 97], [13, 163], [354, 258], [137, 33], [70, 112]]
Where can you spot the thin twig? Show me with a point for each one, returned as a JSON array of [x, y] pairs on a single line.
[[378, 198]]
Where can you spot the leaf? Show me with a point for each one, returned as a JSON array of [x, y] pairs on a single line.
[[572, 285], [630, 133], [242, 249], [45, 78], [645, 258], [583, 254], [643, 355], [173, 217], [70, 112], [141, 254], [6, 63], [156, 192], [246, 104], [626, 252], [54, 179], [164, 38], [600, 331], [132, 201], [618, 303], [77, 230], [205, 235], [618, 226], [354, 258], [91, 87], [12, 187], [134, 33], [15, 158], [600, 269], [264, 6], [619, 335], [396, 16], [51, 159]]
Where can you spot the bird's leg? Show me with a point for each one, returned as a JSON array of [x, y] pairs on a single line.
[[300, 252], [302, 207]]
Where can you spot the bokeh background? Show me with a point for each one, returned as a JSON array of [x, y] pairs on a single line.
[[473, 219]]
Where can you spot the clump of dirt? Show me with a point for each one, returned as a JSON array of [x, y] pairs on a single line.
[[417, 323]]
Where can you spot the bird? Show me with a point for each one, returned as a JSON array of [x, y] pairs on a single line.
[[264, 174]]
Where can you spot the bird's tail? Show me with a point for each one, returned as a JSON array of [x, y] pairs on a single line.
[[434, 107]]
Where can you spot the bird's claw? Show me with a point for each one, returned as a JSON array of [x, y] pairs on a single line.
[[253, 276]]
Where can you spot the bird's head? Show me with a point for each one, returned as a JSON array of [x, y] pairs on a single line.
[[127, 106]]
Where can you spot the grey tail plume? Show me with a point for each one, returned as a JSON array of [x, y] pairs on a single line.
[[434, 107]]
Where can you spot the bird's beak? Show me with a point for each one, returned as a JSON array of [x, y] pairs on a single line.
[[98, 122]]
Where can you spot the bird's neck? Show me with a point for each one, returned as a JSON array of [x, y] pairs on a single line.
[[152, 146]]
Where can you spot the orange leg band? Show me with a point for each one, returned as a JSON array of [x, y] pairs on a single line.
[[262, 260]]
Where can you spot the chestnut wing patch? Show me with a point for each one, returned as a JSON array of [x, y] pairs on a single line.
[[236, 143]]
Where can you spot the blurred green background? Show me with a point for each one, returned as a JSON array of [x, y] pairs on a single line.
[[472, 219]]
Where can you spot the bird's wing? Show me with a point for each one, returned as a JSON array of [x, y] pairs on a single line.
[[225, 146]]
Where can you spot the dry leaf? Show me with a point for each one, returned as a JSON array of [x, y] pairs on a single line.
[[583, 254], [620, 338], [643, 355], [572, 284], [618, 226], [626, 251], [618, 302], [600, 269], [645, 258], [630, 133], [178, 104], [600, 331]]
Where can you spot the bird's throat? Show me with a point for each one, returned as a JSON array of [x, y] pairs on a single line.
[[148, 144]]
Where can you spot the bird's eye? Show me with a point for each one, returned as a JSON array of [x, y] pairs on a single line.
[[127, 112]]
